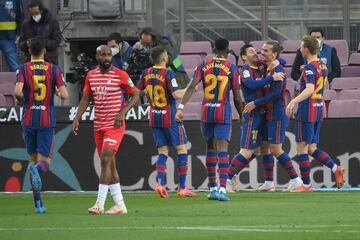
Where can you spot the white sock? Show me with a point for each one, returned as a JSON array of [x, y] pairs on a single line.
[[298, 179], [269, 182], [307, 185], [222, 189], [333, 169], [115, 191], [102, 193], [213, 188]]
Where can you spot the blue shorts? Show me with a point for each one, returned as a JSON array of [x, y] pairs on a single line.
[[39, 140], [276, 130], [253, 131], [173, 136], [307, 132], [216, 130]]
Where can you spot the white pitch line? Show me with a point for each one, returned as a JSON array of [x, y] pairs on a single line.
[[279, 229]]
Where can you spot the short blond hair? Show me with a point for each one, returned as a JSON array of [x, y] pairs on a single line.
[[310, 43]]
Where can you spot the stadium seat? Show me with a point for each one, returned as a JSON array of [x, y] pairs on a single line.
[[231, 58], [287, 97], [197, 97], [2, 100], [8, 77], [342, 49], [191, 116], [349, 94], [291, 46], [350, 71], [345, 83], [201, 48], [190, 61], [290, 86], [329, 95], [258, 45], [358, 47], [288, 72], [193, 108], [7, 90], [344, 109], [289, 58], [354, 59], [235, 46]]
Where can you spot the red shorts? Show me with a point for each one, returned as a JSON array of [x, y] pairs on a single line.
[[109, 138]]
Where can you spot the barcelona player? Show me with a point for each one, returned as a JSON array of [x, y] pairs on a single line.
[[276, 119], [253, 131], [162, 90], [107, 84], [36, 85], [309, 114], [218, 77]]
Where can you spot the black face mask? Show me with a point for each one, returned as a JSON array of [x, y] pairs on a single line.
[[105, 65]]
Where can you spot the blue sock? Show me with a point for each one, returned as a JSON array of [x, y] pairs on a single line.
[[211, 163], [182, 167], [37, 199], [161, 168], [324, 158], [42, 166], [304, 168], [285, 161], [268, 162], [223, 167], [238, 163]]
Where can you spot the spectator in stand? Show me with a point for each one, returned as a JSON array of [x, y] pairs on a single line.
[[326, 54], [41, 24], [120, 50], [11, 18]]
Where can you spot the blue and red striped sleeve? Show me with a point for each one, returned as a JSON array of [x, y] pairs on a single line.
[[171, 81], [309, 74], [234, 77]]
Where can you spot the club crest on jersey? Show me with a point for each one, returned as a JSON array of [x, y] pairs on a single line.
[[99, 93], [246, 74], [174, 82]]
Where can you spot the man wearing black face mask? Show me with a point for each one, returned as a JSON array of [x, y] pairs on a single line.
[[107, 84], [41, 24]]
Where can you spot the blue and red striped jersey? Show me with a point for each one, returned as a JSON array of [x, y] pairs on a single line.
[[218, 76], [274, 96], [159, 84], [310, 110], [40, 79]]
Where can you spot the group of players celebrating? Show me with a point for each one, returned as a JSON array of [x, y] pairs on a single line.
[[264, 118]]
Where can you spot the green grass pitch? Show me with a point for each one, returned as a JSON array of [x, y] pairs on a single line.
[[249, 215]]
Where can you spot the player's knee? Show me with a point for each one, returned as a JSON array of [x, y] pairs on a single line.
[[181, 149], [247, 153], [312, 149], [106, 157], [222, 145]]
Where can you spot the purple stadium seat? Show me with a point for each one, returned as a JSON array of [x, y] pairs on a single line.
[[197, 97], [289, 58], [235, 46], [345, 83], [349, 94], [8, 77], [354, 59], [329, 95], [201, 48], [288, 72], [287, 97], [7, 90], [230, 58], [342, 49], [350, 71], [290, 86], [193, 108], [291, 46], [2, 100], [190, 61], [191, 116], [190, 72], [344, 109], [358, 47], [258, 45]]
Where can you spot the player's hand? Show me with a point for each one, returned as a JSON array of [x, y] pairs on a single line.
[[179, 116], [279, 76], [119, 119], [302, 67], [75, 127], [290, 108], [249, 107]]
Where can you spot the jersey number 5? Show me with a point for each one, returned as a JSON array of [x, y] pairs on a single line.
[[39, 87], [212, 82], [157, 95]]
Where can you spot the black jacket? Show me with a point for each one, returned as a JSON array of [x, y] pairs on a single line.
[[47, 28], [299, 60]]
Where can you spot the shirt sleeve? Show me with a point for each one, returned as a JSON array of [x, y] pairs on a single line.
[[251, 83], [87, 89], [171, 81], [234, 77], [309, 74], [59, 78], [126, 83], [20, 74], [141, 84]]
